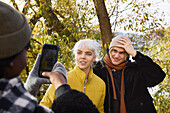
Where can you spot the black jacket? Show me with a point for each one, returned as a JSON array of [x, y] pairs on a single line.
[[138, 76]]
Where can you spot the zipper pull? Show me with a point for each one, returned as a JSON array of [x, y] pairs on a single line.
[[85, 84]]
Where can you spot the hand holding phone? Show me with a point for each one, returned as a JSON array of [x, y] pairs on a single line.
[[48, 58]]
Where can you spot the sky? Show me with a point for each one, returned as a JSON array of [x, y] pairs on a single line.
[[163, 7]]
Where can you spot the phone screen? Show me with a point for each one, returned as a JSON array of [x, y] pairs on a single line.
[[48, 58]]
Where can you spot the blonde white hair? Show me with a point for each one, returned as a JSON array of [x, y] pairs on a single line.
[[87, 43]]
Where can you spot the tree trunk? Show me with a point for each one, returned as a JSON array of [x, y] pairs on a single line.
[[104, 21]]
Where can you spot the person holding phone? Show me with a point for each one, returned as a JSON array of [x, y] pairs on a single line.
[[82, 77], [15, 35]]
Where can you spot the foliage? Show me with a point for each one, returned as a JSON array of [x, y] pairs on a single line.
[[161, 54], [60, 22], [64, 22], [157, 47], [133, 15], [127, 15]]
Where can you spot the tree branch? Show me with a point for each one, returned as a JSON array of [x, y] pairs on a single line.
[[15, 4]]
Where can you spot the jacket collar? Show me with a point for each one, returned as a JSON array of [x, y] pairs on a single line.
[[81, 74]]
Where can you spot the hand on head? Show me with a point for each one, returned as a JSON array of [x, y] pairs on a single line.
[[127, 45]]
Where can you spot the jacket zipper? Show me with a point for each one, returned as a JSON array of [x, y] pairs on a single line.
[[85, 84]]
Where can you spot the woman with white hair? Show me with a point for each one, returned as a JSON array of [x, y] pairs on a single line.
[[82, 77]]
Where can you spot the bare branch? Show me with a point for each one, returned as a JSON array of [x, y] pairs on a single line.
[[15, 4], [26, 7], [57, 12]]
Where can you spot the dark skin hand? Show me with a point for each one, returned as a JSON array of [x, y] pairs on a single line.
[[56, 78]]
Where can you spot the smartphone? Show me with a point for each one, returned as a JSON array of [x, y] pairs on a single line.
[[48, 58]]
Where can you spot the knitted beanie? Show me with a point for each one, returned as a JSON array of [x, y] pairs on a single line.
[[114, 41], [15, 31]]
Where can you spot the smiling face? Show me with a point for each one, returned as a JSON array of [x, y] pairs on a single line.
[[84, 58], [117, 55]]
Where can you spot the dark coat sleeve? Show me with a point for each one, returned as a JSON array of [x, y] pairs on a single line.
[[152, 72], [62, 90]]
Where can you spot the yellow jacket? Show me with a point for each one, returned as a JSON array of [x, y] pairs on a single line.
[[94, 88]]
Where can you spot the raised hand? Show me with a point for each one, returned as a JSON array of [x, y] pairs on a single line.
[[127, 45]]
